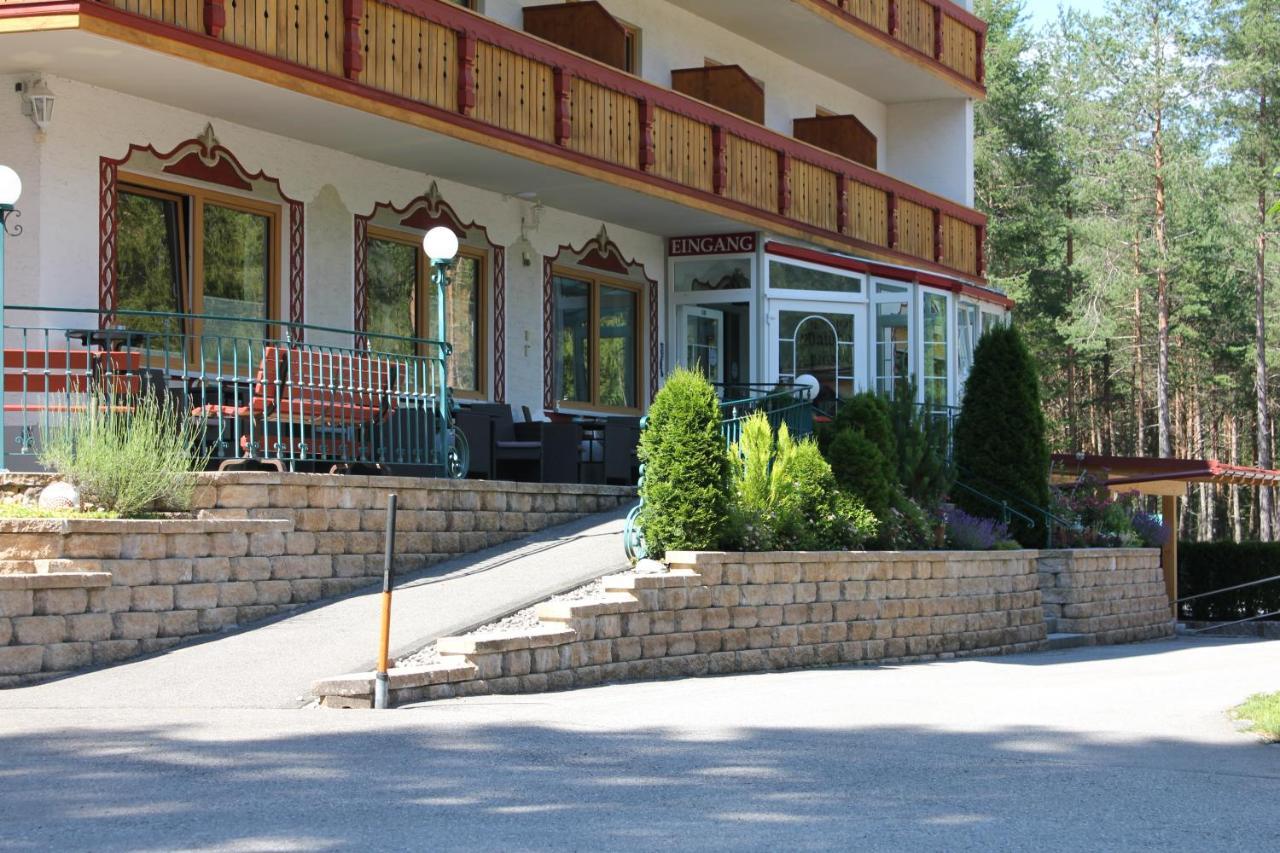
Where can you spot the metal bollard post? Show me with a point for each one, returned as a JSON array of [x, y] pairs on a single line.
[[380, 684]]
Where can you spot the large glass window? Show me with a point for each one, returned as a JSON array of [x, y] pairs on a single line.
[[194, 251], [712, 274], [402, 302], [966, 340], [783, 276], [936, 346], [596, 342], [893, 338], [820, 344]]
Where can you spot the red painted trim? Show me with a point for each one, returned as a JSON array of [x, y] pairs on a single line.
[[842, 204], [893, 19], [297, 282], [499, 324], [938, 243], [38, 10], [108, 225], [548, 337], [719, 161], [352, 51], [221, 172], [937, 33], [654, 367], [664, 98], [980, 61], [360, 287], [215, 18], [563, 82], [982, 251], [891, 201], [816, 256]]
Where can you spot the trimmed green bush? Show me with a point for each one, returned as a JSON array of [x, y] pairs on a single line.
[[924, 472], [863, 454], [686, 471], [128, 454], [999, 439], [786, 496], [1206, 566]]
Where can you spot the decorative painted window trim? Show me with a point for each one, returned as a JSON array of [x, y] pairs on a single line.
[[201, 159], [600, 254], [420, 214]]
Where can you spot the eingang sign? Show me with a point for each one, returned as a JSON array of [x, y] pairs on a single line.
[[712, 244]]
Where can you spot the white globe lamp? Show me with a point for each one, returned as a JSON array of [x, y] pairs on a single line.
[[10, 187], [440, 244]]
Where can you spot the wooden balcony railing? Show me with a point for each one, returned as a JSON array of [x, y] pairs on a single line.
[[545, 97], [937, 29]]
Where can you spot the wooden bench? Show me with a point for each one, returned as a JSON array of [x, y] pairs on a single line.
[[34, 376], [309, 404]]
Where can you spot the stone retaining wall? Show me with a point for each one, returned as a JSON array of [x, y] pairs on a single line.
[[720, 613], [80, 592], [1110, 595]]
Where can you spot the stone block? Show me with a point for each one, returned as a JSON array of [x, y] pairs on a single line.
[[172, 571], [142, 547], [237, 594], [254, 612], [228, 544], [300, 543], [20, 660], [273, 592], [60, 657], [111, 599], [136, 625], [6, 630], [216, 619], [769, 615], [187, 545], [246, 497], [307, 589], [157, 644], [39, 630], [60, 601], [654, 646], [179, 623], [252, 568], [744, 617], [689, 620], [132, 572], [680, 644], [151, 598], [627, 648], [16, 602], [210, 570], [112, 651], [101, 546], [195, 596]]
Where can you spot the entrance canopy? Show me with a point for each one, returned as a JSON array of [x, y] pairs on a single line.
[[1167, 478]]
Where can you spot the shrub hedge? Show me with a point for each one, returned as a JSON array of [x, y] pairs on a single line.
[[1206, 566]]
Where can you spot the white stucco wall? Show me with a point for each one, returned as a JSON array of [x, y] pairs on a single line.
[[930, 144], [55, 261]]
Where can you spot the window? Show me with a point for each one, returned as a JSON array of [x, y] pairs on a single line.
[[966, 340], [402, 303], [936, 353], [784, 276], [596, 340], [188, 250], [820, 344], [893, 338], [712, 274]]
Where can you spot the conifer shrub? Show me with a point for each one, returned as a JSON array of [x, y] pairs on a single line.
[[686, 472], [863, 454], [999, 441], [785, 495], [924, 472]]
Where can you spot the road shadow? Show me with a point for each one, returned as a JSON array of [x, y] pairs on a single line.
[[426, 781]]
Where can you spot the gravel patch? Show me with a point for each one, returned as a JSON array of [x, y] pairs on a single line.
[[518, 621]]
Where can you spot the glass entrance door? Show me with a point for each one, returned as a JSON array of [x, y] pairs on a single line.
[[703, 330], [822, 341]]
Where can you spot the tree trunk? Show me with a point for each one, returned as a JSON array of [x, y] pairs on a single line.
[[1237, 534], [1266, 512], [1162, 292]]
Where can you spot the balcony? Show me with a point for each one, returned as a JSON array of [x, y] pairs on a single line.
[[378, 71], [903, 50]]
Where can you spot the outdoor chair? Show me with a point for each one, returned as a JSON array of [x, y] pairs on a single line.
[[550, 450], [621, 438]]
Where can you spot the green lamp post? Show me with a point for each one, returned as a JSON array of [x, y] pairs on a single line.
[[10, 190], [441, 246]]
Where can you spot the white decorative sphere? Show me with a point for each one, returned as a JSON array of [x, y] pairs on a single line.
[[10, 186], [440, 244], [59, 495]]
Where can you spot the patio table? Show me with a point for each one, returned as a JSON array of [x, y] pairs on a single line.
[[112, 339]]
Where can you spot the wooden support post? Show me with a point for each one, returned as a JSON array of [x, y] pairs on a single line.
[[938, 243], [893, 18], [1169, 553], [648, 150], [937, 32], [784, 183], [466, 73], [842, 203], [980, 234], [980, 64], [352, 52], [892, 199], [215, 18], [563, 80], [719, 160]]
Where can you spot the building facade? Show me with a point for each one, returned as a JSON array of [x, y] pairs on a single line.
[[764, 188]]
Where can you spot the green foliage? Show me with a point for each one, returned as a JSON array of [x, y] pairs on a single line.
[[786, 496], [686, 473], [921, 442], [863, 453], [1262, 710], [1000, 434], [128, 454], [1206, 566]]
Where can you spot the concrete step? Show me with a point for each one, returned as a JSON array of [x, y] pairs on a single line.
[[1051, 624], [1057, 641]]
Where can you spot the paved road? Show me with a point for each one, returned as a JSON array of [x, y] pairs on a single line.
[[1122, 748], [273, 665]]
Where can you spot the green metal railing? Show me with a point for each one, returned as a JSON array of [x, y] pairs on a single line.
[[294, 396], [782, 404]]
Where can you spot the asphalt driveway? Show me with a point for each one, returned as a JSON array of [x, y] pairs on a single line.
[[1121, 748]]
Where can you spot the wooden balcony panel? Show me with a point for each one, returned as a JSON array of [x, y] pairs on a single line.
[[683, 150], [843, 135], [515, 92], [728, 87], [915, 25], [752, 171], [409, 56], [960, 245], [813, 195], [585, 27], [605, 124], [869, 214], [915, 229], [959, 47], [188, 14], [874, 12]]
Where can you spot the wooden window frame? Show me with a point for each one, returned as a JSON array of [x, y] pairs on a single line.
[[595, 281], [194, 199], [424, 327]]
